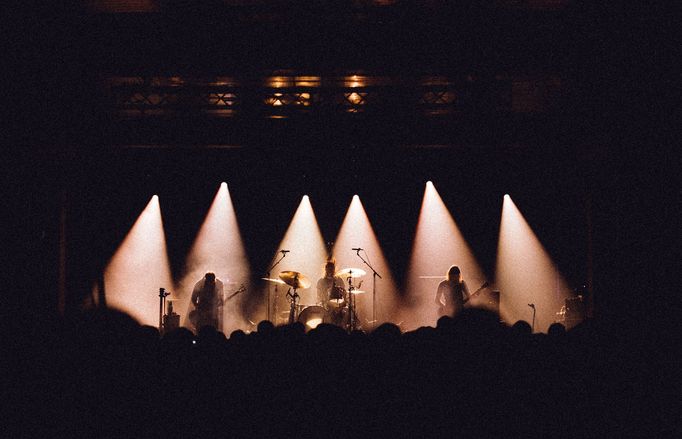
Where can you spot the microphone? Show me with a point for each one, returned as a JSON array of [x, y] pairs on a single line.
[[284, 252], [532, 305], [356, 249]]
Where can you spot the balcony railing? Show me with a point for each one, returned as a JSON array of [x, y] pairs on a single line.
[[291, 95]]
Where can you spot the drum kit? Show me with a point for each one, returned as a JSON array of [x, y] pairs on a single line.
[[340, 309]]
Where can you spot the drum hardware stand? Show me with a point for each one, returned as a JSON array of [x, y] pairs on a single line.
[[352, 317], [284, 254], [293, 298], [162, 305], [374, 287]]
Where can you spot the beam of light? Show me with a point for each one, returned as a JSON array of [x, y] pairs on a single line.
[[438, 244], [140, 267], [217, 248], [307, 255], [525, 273], [357, 232]]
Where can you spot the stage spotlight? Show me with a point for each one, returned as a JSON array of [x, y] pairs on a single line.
[[525, 273], [217, 248], [438, 244], [357, 232], [307, 254], [140, 267]]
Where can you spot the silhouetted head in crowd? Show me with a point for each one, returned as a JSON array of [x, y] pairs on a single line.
[[207, 332], [556, 330], [105, 327], [237, 335], [298, 328], [445, 323], [358, 334], [178, 337], [149, 335], [327, 331], [522, 327], [265, 327], [387, 331], [149, 331]]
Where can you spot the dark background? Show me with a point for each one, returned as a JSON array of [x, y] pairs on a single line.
[[609, 147]]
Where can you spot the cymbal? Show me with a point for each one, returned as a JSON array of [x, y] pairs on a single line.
[[295, 279], [277, 281], [351, 272], [358, 291]]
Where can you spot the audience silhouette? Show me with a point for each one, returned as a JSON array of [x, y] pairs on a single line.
[[102, 374]]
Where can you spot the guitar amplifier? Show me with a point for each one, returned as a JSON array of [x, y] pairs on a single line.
[[575, 311], [492, 302], [171, 322]]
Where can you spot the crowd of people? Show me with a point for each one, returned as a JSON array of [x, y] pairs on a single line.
[[101, 374]]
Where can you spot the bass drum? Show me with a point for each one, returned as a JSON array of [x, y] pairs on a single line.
[[337, 297], [312, 316]]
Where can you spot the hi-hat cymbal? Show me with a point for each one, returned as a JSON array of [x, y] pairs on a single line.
[[295, 279], [351, 272], [277, 281]]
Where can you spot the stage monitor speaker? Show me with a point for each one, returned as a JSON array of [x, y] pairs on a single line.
[[493, 302], [171, 322], [575, 311]]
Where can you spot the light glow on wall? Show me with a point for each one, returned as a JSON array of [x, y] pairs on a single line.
[[525, 273], [139, 267]]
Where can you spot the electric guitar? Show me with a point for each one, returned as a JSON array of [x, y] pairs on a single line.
[[484, 285], [194, 314]]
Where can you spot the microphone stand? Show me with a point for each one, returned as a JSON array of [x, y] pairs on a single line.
[[270, 289], [374, 289], [162, 305]]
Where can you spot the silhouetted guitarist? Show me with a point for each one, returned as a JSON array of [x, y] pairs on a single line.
[[452, 293], [207, 298]]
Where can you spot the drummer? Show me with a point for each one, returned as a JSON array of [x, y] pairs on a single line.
[[330, 287]]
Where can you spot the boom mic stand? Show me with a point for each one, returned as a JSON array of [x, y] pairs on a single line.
[[284, 254], [374, 288]]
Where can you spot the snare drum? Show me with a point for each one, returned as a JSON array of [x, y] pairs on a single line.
[[337, 297]]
